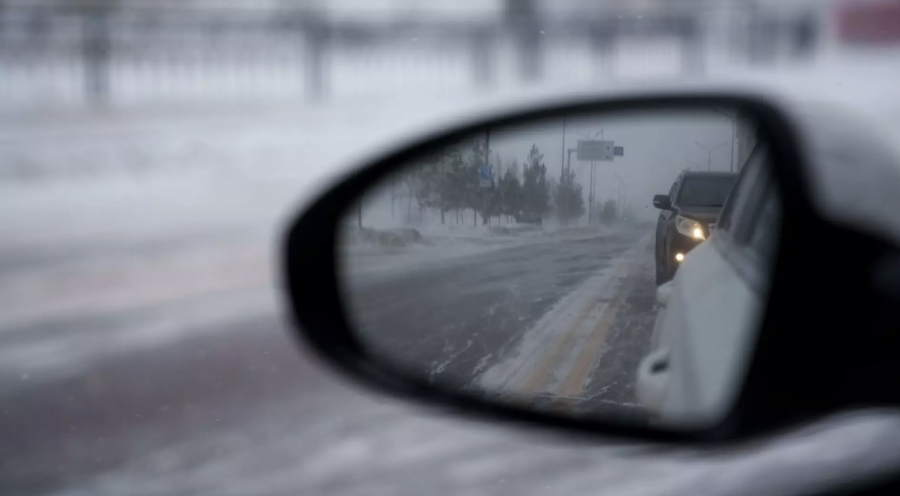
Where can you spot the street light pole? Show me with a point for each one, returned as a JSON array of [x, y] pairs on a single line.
[[563, 157], [709, 150], [591, 188], [562, 170], [623, 189], [569, 166], [733, 120], [733, 132], [591, 196], [486, 216]]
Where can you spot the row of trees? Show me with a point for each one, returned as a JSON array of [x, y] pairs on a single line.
[[450, 182]]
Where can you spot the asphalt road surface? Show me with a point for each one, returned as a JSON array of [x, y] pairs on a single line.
[[561, 323]]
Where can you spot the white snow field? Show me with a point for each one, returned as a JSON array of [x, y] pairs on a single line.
[[163, 220]]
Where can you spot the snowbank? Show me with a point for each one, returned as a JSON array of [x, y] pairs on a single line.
[[393, 238]]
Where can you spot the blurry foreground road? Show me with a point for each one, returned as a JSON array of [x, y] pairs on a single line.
[[236, 395], [236, 409], [114, 395]]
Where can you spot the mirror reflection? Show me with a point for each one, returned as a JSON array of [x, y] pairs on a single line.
[[604, 265]]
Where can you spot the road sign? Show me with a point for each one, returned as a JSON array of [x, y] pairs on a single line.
[[619, 151], [595, 150], [485, 176]]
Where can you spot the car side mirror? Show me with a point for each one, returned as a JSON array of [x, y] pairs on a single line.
[[480, 269], [662, 202]]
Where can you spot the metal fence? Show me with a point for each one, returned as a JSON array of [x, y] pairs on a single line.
[[100, 55]]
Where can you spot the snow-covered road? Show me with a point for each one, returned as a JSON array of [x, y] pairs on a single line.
[[510, 309]]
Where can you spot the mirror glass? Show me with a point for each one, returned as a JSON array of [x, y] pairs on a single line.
[[529, 264]]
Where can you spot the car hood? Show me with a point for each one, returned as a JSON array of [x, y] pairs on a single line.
[[703, 214]]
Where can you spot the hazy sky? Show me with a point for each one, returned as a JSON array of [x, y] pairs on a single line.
[[657, 147]]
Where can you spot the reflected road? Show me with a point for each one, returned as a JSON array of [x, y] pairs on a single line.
[[564, 321]]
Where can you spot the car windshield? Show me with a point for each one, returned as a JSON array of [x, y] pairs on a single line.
[[705, 191]]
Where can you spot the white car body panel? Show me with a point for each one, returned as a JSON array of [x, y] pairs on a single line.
[[706, 330]]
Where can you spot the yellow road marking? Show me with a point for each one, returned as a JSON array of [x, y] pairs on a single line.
[[574, 382], [544, 371]]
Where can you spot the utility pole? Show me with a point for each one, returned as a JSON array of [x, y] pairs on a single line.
[[569, 169], [562, 170], [442, 189], [709, 150], [499, 190], [591, 197], [487, 163], [733, 120], [591, 187], [622, 194], [563, 157]]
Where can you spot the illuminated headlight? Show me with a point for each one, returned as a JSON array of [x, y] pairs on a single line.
[[679, 257], [689, 227]]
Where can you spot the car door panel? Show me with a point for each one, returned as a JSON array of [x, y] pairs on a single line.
[[708, 325]]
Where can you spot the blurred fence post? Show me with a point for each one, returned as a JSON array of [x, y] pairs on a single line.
[[96, 48], [482, 53], [522, 21], [602, 37], [693, 55], [806, 34], [316, 39], [761, 35], [530, 55]]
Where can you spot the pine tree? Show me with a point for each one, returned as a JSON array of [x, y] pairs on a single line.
[[535, 193], [479, 198], [610, 213], [569, 202], [511, 190], [454, 183]]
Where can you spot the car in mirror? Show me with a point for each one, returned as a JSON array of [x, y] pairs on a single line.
[[501, 268], [686, 215]]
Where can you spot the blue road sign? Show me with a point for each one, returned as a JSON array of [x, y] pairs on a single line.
[[485, 177]]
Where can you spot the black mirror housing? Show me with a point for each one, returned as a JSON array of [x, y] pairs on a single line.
[[768, 399], [662, 202]]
